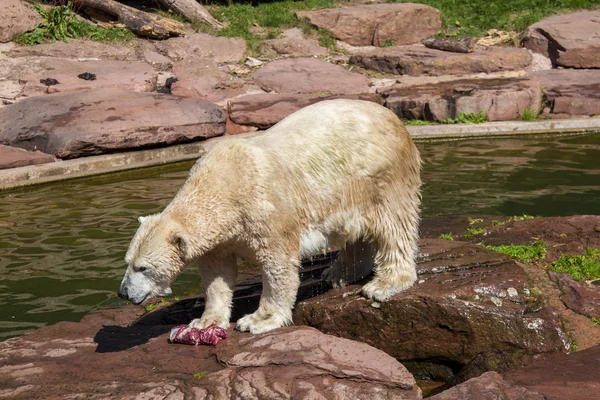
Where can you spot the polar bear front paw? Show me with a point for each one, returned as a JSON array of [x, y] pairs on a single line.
[[256, 323], [206, 321], [380, 290]]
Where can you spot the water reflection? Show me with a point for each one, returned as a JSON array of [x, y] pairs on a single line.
[[62, 246]]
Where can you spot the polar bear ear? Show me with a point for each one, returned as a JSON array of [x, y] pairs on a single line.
[[142, 219], [182, 243]]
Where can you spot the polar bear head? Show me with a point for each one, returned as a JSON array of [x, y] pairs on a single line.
[[156, 255]]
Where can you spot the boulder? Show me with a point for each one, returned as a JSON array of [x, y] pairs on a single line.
[[17, 17], [104, 357], [581, 297], [570, 40], [294, 44], [200, 45], [10, 90], [12, 157], [135, 76], [471, 311], [562, 376], [202, 79], [489, 386], [265, 110], [364, 25], [419, 60], [309, 76], [571, 92], [90, 122], [501, 99], [81, 48]]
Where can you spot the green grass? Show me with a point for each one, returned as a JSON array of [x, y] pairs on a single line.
[[477, 16], [469, 118], [472, 231], [415, 122], [596, 321], [535, 252], [199, 375], [446, 236], [61, 24], [242, 19], [580, 267], [529, 114], [388, 43]]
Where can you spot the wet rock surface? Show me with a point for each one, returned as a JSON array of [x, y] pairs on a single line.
[[419, 60], [571, 92], [17, 17], [562, 377], [265, 110], [377, 24], [103, 356], [11, 157], [471, 310], [501, 99], [90, 122], [309, 76], [570, 40], [488, 386]]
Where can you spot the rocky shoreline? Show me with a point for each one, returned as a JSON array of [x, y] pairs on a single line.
[[160, 93], [474, 314]]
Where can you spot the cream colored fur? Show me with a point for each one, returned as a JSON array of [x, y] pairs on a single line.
[[334, 172]]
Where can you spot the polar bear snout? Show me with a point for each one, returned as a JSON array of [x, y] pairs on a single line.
[[123, 292]]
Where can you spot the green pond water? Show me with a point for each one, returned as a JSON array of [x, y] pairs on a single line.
[[62, 245]]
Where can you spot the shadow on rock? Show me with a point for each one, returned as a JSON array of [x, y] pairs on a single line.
[[114, 338]]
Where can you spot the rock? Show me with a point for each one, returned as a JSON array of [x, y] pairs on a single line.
[[365, 25], [294, 44], [202, 79], [253, 62], [581, 297], [301, 362], [81, 48], [265, 110], [135, 76], [104, 357], [90, 122], [459, 314], [570, 40], [309, 76], [562, 377], [418, 60], [201, 45], [10, 90], [572, 92], [17, 17], [16, 68], [501, 99], [12, 157], [489, 386]]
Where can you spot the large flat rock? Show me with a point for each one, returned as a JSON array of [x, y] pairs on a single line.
[[376, 24], [12, 157], [293, 43], [90, 122], [419, 60], [309, 76], [135, 76], [104, 357], [201, 45], [502, 99], [488, 386], [265, 110], [571, 92], [471, 311], [17, 17], [81, 48], [562, 377], [570, 40]]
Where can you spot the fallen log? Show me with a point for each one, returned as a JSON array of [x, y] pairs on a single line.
[[466, 45], [191, 10], [141, 23]]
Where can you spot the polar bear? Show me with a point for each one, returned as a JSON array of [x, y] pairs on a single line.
[[336, 172]]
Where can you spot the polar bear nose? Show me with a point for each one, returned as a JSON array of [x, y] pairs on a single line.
[[123, 293]]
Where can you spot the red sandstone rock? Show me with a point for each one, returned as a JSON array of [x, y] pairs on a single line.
[[12, 157], [90, 122], [489, 386], [200, 45], [294, 44], [17, 17], [581, 297], [571, 92], [570, 40], [365, 25], [418, 60]]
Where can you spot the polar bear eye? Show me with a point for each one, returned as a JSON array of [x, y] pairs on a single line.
[[142, 269]]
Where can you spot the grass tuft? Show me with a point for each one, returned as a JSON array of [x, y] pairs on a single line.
[[580, 267], [469, 118], [446, 236], [529, 114], [535, 252]]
